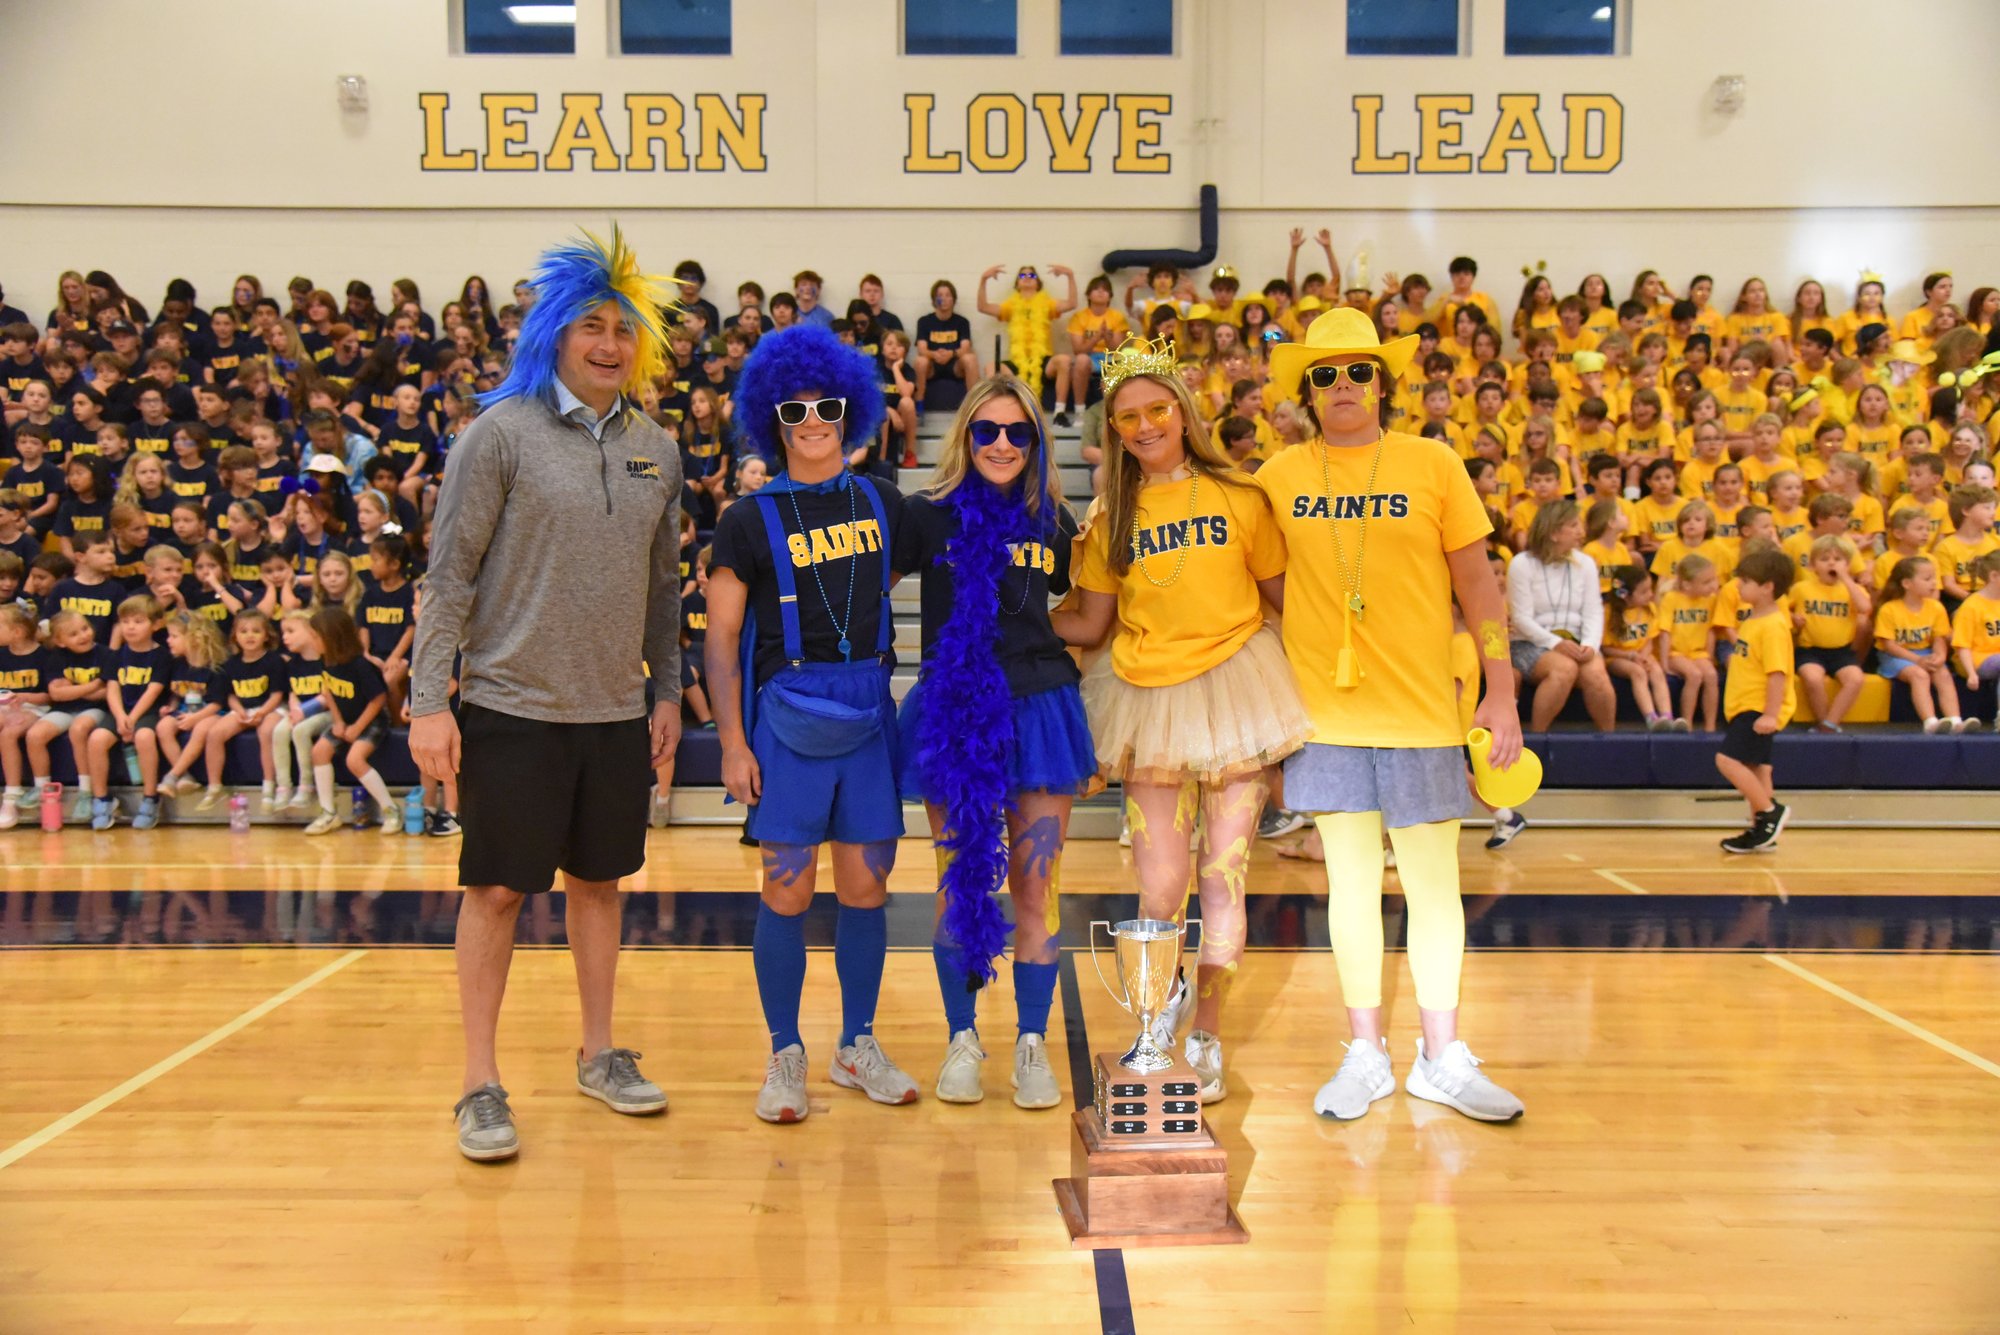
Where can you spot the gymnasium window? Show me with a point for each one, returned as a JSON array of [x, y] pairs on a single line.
[[1562, 27], [673, 27], [512, 28], [960, 27], [1118, 27], [1404, 27]]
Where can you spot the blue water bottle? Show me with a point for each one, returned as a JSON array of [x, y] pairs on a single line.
[[413, 811], [360, 800]]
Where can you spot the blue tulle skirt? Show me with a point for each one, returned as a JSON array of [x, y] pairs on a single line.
[[1052, 747]]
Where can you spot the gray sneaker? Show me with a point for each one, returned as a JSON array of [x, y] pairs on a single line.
[[1167, 1024], [613, 1077], [486, 1125], [863, 1066], [1364, 1077], [783, 1096], [1034, 1083], [958, 1078], [1204, 1054], [1453, 1079]]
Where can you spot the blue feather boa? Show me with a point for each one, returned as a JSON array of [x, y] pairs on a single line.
[[966, 731]]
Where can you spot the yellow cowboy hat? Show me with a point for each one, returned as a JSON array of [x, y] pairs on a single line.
[[1905, 350], [1340, 330]]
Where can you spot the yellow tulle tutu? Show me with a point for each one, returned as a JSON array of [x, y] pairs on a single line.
[[1231, 721]]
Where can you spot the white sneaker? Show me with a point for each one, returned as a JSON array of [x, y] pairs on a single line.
[[1960, 725], [303, 799], [958, 1079], [210, 799], [783, 1097], [277, 800], [1204, 1053], [1507, 826], [1365, 1076], [1167, 1024], [1454, 1080], [185, 785], [392, 819], [324, 823], [864, 1066], [10, 812], [1034, 1083], [1934, 726]]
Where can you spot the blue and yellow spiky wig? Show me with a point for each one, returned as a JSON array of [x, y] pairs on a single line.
[[804, 359], [570, 281]]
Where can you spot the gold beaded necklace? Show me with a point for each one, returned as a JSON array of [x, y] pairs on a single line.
[[1180, 563], [1346, 671]]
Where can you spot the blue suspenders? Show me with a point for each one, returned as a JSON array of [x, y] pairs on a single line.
[[788, 589]]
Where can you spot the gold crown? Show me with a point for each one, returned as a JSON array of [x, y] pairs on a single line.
[[1139, 356], [1870, 276]]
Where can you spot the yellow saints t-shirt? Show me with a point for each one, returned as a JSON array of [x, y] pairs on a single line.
[[1887, 562], [1955, 556], [1092, 332], [1914, 630], [1673, 549], [1686, 619], [1976, 626], [1208, 543], [1617, 554], [1828, 611], [1791, 523], [1741, 407], [1799, 548], [1656, 518], [1642, 627], [1763, 646], [1421, 506], [1744, 326]]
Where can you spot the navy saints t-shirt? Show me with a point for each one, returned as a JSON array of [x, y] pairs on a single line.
[[384, 616], [250, 681], [95, 603], [1029, 651], [26, 674], [694, 622], [401, 445], [191, 484], [77, 518], [303, 678], [839, 541], [352, 685], [188, 686], [136, 669], [953, 332], [82, 669]]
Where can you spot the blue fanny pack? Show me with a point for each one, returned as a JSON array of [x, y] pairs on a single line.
[[821, 710]]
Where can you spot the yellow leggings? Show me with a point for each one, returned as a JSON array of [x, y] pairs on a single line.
[[1427, 865]]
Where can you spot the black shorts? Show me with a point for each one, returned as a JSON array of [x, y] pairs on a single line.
[[1742, 742], [536, 797], [1830, 661]]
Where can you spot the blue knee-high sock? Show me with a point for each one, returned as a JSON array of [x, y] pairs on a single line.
[[961, 1003], [860, 946], [1034, 993], [779, 952]]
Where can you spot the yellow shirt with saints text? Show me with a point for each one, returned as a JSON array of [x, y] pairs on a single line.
[[1421, 506]]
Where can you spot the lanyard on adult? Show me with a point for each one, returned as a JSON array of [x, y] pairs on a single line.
[[1347, 671]]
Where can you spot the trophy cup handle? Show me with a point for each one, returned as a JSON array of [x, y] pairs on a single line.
[[1117, 994]]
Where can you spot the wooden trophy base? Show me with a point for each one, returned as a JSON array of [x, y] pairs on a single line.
[[1137, 1186]]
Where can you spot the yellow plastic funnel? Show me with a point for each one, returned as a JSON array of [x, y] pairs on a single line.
[[1508, 787]]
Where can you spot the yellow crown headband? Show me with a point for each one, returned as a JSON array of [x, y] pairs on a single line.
[[1870, 276], [1139, 356]]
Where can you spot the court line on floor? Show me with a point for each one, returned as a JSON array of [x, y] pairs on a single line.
[[1885, 1015], [1114, 1292], [21, 1149], [1619, 881]]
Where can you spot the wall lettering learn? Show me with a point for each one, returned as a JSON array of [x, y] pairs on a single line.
[[996, 132], [657, 131], [1591, 128]]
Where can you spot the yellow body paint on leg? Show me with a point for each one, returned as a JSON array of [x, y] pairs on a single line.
[[1186, 803], [1052, 914], [1233, 866], [1135, 817]]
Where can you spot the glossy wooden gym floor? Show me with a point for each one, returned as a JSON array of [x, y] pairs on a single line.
[[1747, 1134]]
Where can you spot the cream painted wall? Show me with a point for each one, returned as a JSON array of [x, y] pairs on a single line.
[[1809, 179]]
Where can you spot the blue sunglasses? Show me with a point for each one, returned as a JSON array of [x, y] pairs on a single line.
[[1019, 434]]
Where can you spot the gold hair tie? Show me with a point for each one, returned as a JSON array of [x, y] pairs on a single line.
[[1139, 356]]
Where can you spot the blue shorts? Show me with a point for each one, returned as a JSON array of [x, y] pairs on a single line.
[[1408, 785], [849, 799], [1892, 668], [1052, 747]]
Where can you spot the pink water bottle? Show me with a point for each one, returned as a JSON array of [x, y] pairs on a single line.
[[52, 807], [239, 814]]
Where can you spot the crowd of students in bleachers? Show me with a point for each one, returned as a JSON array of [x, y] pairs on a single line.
[[213, 521]]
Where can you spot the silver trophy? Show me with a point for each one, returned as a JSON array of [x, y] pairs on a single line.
[[1148, 951]]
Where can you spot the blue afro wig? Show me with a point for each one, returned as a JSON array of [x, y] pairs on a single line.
[[805, 359]]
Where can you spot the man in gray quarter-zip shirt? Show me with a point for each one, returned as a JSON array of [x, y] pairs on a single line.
[[555, 574]]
